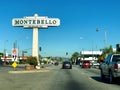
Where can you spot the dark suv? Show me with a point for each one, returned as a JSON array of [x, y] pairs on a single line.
[[67, 64]]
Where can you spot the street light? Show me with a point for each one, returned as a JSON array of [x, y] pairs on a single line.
[[105, 41], [92, 48]]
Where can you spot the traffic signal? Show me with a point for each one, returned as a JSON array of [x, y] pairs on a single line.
[[66, 53], [97, 29], [40, 48], [118, 47]]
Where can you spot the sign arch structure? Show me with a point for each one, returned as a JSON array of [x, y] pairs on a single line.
[[36, 22]]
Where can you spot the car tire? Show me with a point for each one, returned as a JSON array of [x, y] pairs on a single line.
[[111, 78], [102, 75]]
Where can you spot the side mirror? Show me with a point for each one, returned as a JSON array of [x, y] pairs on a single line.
[[103, 62]]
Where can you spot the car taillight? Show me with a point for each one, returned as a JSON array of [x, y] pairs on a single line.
[[115, 66]]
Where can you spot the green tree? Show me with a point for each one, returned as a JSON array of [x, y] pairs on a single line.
[[108, 50], [75, 56], [105, 51], [1, 54]]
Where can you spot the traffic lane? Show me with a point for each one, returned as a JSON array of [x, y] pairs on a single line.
[[83, 78], [80, 80], [73, 79], [28, 81], [94, 74], [4, 68], [77, 79], [64, 80]]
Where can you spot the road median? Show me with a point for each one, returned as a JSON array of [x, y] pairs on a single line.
[[29, 71]]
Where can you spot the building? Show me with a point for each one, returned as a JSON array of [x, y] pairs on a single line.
[[11, 59], [90, 55]]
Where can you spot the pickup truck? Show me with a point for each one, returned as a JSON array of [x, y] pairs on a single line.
[[111, 67]]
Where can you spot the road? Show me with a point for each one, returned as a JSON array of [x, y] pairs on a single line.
[[56, 79]]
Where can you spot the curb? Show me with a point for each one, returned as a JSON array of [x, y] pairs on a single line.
[[29, 71]]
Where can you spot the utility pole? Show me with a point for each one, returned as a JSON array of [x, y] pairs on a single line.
[[104, 39]]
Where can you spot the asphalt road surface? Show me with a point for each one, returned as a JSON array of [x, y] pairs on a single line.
[[56, 79]]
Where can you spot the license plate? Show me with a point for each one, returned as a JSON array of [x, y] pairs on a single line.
[[67, 65]]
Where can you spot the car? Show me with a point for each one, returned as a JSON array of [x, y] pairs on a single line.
[[56, 63], [95, 64], [111, 68], [86, 64], [66, 65], [1, 62]]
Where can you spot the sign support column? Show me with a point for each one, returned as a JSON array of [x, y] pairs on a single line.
[[35, 45]]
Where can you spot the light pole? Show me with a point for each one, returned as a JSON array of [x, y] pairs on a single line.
[[105, 37], [5, 52]]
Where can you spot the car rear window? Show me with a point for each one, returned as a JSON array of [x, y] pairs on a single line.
[[86, 62], [66, 62], [116, 58]]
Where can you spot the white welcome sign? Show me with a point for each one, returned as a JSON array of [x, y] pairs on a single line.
[[36, 21]]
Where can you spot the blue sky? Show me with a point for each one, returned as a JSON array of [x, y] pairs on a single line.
[[79, 20]]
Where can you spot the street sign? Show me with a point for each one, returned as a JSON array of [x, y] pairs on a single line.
[[36, 22], [14, 64], [14, 54], [14, 51], [14, 58]]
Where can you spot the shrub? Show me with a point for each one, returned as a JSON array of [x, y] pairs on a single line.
[[32, 61]]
